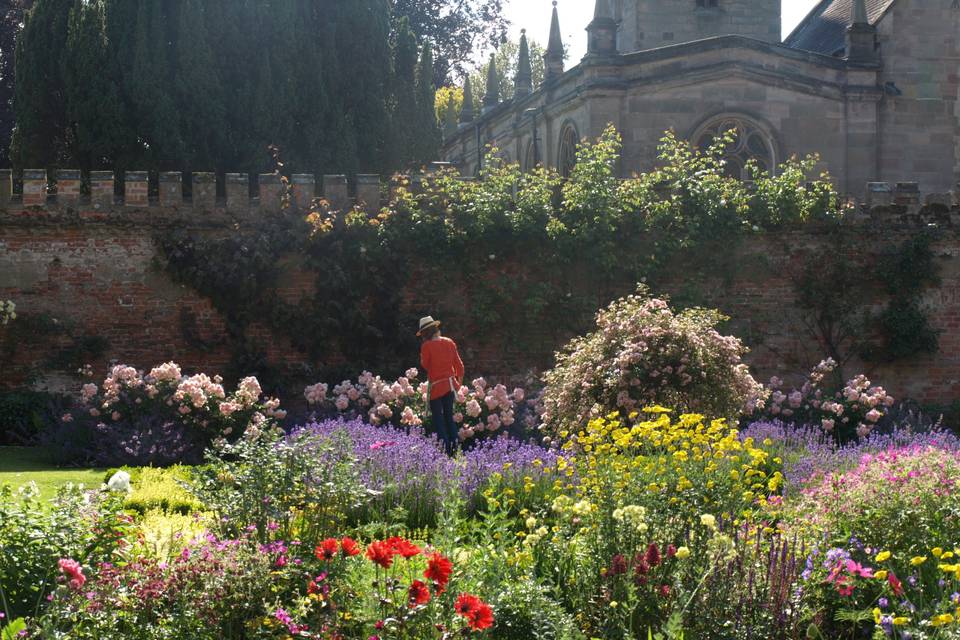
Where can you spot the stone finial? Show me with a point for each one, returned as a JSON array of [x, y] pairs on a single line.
[[861, 35], [553, 58], [466, 114], [492, 97], [859, 12], [602, 31], [523, 82]]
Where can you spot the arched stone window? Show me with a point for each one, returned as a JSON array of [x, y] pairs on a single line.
[[751, 141], [567, 157], [529, 157]]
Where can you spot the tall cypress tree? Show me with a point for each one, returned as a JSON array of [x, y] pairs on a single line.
[[426, 128], [96, 119], [403, 139], [40, 136]]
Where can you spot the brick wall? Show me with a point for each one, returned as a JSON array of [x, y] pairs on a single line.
[[90, 266]]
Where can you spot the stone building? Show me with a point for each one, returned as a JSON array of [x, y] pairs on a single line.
[[873, 86]]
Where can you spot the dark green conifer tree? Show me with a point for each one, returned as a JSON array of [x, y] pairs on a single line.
[[426, 128]]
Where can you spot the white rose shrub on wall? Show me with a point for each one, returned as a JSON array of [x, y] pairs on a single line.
[[641, 354]]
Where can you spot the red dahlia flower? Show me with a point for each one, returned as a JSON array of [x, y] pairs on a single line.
[[404, 548], [381, 553], [438, 570], [349, 547], [327, 549], [479, 615], [419, 593]]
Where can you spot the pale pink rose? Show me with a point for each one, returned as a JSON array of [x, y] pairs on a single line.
[[115, 416], [227, 408], [342, 403], [408, 417], [184, 409], [491, 402], [507, 419], [94, 412], [493, 422], [67, 417], [889, 401], [827, 425], [518, 395], [473, 409], [88, 391], [458, 417], [412, 373], [873, 415], [385, 411], [796, 399], [863, 430]]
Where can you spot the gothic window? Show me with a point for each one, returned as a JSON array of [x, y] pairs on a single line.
[[530, 157], [567, 158], [750, 142]]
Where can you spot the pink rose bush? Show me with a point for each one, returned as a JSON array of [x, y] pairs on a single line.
[[852, 411], [642, 353], [198, 402], [479, 408]]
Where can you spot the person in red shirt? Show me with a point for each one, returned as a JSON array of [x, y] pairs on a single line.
[[441, 360]]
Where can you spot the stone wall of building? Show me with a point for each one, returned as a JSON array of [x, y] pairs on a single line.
[[648, 24], [919, 119], [89, 266]]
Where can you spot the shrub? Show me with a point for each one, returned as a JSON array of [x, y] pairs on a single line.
[[24, 414], [642, 353], [482, 407], [847, 413], [161, 489], [34, 536], [160, 417], [525, 611]]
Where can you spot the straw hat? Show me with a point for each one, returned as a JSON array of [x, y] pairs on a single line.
[[427, 322]]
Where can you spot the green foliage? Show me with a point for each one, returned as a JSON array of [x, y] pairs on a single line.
[[24, 414], [538, 254], [35, 535], [297, 488], [525, 611], [904, 325]]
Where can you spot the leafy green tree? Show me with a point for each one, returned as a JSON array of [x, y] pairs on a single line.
[[505, 60], [425, 124]]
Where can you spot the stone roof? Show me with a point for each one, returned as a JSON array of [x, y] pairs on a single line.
[[824, 29]]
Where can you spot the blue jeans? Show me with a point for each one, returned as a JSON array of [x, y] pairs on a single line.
[[442, 410]]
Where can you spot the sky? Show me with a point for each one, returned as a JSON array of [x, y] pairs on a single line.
[[534, 15]]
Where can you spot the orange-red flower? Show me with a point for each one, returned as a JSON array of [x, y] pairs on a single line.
[[404, 547], [419, 593], [479, 614], [327, 549], [438, 570], [349, 547], [381, 553]]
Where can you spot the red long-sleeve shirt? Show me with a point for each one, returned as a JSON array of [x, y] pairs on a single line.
[[441, 360]]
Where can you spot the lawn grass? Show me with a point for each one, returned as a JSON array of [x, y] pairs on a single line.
[[21, 465]]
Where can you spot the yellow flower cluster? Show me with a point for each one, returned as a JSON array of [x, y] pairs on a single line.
[[688, 462]]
